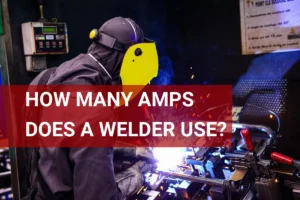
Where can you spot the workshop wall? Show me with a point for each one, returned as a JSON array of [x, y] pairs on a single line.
[[198, 42], [193, 39]]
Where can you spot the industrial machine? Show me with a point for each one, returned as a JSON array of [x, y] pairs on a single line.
[[43, 38], [250, 169]]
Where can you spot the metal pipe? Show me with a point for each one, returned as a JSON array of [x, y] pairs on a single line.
[[214, 182], [233, 155], [265, 129], [5, 174]]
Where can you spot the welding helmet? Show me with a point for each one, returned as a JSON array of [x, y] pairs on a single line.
[[140, 62]]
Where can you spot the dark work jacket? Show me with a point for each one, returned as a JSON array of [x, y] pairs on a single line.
[[87, 173]]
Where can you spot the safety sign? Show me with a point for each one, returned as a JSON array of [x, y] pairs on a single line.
[[270, 26]]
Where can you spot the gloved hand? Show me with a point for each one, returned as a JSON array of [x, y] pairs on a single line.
[[144, 152], [132, 179], [134, 153]]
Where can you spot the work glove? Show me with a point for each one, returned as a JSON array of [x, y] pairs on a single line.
[[134, 153], [132, 179], [144, 153]]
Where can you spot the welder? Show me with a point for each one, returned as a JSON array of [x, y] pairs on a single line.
[[88, 173]]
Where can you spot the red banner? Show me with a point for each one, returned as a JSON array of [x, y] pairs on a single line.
[[107, 116]]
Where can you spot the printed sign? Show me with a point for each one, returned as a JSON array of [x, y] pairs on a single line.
[[270, 26]]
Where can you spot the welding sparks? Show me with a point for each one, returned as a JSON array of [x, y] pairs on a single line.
[[169, 158]]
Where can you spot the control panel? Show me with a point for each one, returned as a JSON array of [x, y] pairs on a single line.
[[44, 38]]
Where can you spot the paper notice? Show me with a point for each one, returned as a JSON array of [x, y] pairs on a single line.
[[270, 26]]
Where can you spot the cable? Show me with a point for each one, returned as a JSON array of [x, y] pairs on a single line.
[[278, 119]]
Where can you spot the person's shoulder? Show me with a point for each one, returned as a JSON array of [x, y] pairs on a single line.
[[35, 81], [81, 56]]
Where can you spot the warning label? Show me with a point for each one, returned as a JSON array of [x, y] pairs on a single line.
[[270, 26]]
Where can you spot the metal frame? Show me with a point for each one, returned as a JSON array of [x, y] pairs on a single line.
[[7, 64], [198, 179], [214, 181]]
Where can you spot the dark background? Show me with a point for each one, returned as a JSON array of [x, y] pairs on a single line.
[[200, 38], [203, 35]]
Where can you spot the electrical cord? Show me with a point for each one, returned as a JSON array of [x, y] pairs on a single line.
[[272, 112]]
